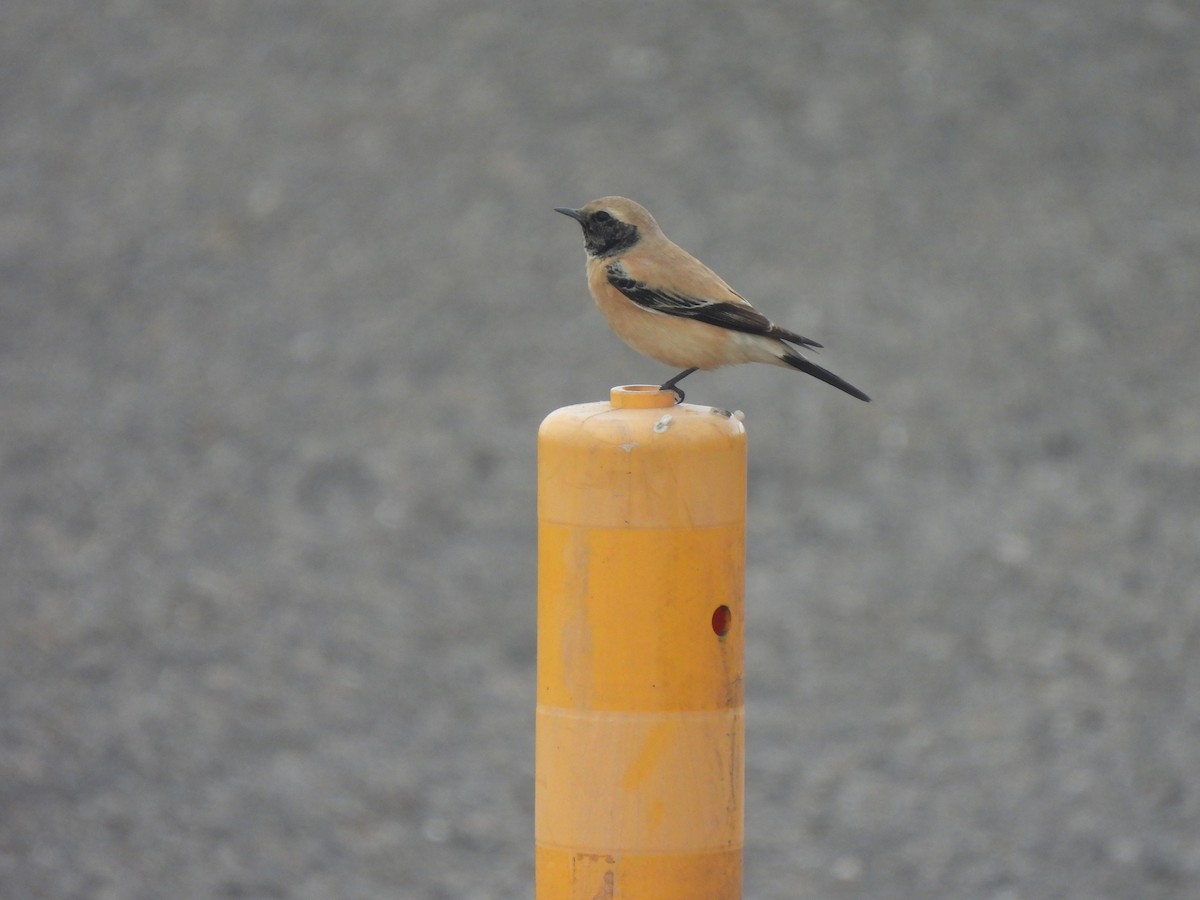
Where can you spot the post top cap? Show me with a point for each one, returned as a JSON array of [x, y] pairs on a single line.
[[641, 396]]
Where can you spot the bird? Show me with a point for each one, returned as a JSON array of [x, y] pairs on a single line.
[[666, 304]]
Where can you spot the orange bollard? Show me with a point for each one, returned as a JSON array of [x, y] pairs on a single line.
[[640, 727]]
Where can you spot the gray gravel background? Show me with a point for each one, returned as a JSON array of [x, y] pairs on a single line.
[[284, 301]]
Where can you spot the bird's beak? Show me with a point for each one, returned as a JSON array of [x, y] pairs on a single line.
[[575, 214]]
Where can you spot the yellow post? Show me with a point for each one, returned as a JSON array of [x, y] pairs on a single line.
[[640, 727]]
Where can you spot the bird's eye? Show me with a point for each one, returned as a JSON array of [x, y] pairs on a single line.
[[602, 216]]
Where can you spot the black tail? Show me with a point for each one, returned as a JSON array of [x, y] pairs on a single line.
[[799, 362]]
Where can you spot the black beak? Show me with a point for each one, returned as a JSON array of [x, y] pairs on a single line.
[[575, 214]]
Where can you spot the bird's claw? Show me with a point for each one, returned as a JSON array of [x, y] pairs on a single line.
[[675, 389], [672, 384]]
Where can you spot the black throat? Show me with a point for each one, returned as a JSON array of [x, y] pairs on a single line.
[[604, 239]]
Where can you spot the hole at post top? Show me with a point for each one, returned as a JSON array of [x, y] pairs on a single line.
[[722, 618], [641, 396]]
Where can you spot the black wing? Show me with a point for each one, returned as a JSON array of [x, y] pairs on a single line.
[[734, 316]]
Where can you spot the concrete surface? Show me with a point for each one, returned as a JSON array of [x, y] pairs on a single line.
[[284, 300]]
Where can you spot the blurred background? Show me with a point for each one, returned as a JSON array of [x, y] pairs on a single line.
[[284, 300]]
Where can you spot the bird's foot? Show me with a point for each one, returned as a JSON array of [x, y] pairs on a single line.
[[675, 389], [673, 385]]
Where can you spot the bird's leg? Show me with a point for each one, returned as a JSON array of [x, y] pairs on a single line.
[[671, 385]]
